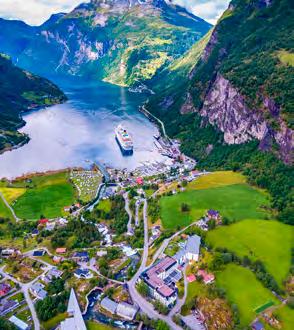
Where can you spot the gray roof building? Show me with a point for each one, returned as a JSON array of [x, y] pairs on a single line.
[[193, 244], [109, 305], [126, 310]]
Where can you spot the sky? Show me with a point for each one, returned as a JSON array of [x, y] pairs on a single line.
[[35, 12]]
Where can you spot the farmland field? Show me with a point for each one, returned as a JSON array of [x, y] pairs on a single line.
[[268, 241], [244, 290], [45, 195], [236, 202]]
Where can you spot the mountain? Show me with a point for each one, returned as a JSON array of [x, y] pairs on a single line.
[[232, 95], [120, 41], [21, 91]]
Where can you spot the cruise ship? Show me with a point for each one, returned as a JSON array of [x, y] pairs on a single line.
[[124, 140]]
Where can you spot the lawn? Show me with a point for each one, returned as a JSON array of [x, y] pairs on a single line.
[[4, 211], [286, 315], [236, 202], [104, 205], [244, 290], [46, 196], [92, 325], [267, 240], [52, 323], [11, 194], [217, 179]]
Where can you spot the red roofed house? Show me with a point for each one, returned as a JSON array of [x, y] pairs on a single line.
[[4, 289], [140, 181], [60, 250], [191, 278], [207, 278], [43, 221]]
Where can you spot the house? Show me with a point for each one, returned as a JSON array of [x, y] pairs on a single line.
[[57, 259], [4, 289], [21, 325], [81, 256], [62, 222], [155, 278], [61, 250], [83, 273], [207, 278], [140, 181], [257, 325], [193, 248], [109, 305], [127, 311], [180, 256], [7, 306], [101, 253], [67, 208], [213, 214], [50, 226], [191, 278], [39, 253], [75, 320], [35, 232], [37, 289], [7, 252], [43, 221], [51, 274]]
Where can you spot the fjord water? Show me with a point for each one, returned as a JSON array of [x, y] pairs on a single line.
[[81, 131]]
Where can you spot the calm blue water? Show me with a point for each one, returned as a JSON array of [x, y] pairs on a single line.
[[81, 131]]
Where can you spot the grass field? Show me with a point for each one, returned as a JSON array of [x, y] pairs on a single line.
[[244, 290], [270, 241], [46, 195], [92, 325], [217, 179], [4, 211], [286, 315], [52, 323], [11, 194], [236, 202], [104, 205]]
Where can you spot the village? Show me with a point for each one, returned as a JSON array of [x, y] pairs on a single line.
[[108, 255]]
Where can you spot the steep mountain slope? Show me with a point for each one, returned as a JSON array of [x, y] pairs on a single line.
[[238, 97], [21, 91], [120, 41]]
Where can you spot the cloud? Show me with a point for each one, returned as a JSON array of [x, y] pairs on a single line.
[[210, 10], [34, 12]]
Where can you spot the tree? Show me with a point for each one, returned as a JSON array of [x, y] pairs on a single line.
[[185, 207], [143, 289], [161, 325]]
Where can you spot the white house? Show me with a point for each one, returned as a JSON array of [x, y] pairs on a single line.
[[193, 248]]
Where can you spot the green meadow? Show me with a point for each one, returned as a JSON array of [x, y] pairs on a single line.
[[267, 240], [243, 289], [4, 211], [45, 195], [226, 192]]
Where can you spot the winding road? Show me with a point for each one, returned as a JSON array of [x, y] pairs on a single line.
[[9, 207], [145, 306]]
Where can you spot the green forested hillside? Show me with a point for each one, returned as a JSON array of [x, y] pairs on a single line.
[[120, 42], [252, 48], [20, 91]]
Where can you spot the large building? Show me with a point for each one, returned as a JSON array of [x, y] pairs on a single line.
[[190, 252], [158, 281], [75, 320]]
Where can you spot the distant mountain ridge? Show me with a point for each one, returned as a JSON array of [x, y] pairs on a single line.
[[120, 41], [21, 91]]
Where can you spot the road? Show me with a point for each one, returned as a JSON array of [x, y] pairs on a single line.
[[137, 220], [128, 210], [25, 289], [181, 302], [165, 243], [145, 306], [10, 208]]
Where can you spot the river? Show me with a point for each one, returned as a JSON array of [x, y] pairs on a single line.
[[81, 131]]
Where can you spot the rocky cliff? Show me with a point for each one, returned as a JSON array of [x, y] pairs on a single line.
[[120, 41], [242, 82]]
